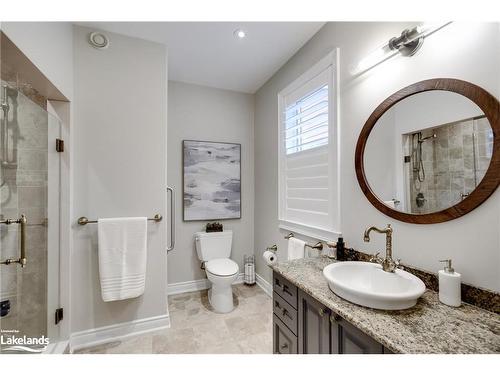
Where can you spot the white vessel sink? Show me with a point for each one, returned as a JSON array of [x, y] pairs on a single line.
[[366, 284]]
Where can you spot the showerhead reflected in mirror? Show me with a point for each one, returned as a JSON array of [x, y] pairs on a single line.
[[428, 152]]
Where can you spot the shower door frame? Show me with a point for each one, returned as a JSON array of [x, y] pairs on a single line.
[[62, 110], [60, 106]]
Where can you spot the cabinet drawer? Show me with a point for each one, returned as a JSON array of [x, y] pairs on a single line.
[[285, 289], [285, 312], [284, 341]]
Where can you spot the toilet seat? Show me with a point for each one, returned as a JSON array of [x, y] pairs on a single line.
[[222, 267]]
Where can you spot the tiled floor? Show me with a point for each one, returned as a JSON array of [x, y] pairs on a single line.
[[196, 329]]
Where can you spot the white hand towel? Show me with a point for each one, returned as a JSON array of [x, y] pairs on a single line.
[[296, 248], [122, 257], [390, 203]]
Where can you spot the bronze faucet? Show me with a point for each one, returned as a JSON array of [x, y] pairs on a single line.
[[388, 264]]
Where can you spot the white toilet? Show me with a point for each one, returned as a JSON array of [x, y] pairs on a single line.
[[214, 249]]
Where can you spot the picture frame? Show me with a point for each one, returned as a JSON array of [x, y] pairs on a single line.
[[211, 180]]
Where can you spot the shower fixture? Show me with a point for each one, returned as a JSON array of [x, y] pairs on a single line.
[[416, 154], [420, 199], [3, 130], [5, 123], [5, 162], [428, 137]]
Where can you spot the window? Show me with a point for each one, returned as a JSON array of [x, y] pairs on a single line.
[[306, 122], [308, 161]]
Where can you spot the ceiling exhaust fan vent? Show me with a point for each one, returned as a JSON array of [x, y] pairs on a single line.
[[98, 40]]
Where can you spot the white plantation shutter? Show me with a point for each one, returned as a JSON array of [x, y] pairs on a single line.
[[307, 184], [306, 122]]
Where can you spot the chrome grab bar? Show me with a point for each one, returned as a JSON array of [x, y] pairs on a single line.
[[172, 219], [22, 221], [84, 220]]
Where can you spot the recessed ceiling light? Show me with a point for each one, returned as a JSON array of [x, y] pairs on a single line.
[[239, 33]]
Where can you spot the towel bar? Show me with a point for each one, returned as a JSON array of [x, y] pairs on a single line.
[[84, 221], [318, 246]]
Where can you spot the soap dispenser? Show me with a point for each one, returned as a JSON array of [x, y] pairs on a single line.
[[449, 285]]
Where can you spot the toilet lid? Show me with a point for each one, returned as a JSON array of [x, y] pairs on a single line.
[[221, 267]]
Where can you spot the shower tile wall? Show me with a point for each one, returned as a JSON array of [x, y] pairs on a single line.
[[25, 192], [483, 146], [11, 77], [454, 163]]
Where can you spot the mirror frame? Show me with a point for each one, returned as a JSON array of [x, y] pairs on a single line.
[[491, 108]]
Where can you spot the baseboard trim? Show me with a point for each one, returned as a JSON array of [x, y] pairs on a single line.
[[103, 335], [195, 285], [60, 347], [264, 285]]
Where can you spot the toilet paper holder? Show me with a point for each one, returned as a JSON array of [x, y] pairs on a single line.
[[272, 248]]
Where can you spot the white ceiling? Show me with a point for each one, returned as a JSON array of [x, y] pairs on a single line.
[[207, 53]]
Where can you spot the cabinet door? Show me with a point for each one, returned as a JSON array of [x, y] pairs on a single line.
[[284, 341], [347, 339], [314, 326]]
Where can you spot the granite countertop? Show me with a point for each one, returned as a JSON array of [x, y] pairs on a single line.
[[429, 327]]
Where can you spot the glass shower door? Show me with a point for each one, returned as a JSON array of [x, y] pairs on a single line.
[[29, 224]]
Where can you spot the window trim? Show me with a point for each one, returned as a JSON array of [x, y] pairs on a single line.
[[334, 151]]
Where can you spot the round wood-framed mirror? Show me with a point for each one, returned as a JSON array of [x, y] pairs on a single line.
[[430, 152]]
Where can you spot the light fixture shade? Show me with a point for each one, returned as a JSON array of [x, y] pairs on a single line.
[[428, 28], [408, 44], [373, 59]]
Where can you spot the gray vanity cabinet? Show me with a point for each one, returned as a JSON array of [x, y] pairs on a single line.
[[314, 326], [284, 341], [284, 316], [347, 339], [303, 325]]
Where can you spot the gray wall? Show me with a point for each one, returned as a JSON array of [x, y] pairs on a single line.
[[119, 167], [458, 51], [49, 46], [208, 114]]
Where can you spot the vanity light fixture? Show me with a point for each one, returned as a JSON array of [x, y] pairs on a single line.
[[239, 33], [407, 44]]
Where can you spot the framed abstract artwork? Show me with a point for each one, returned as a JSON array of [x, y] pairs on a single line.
[[211, 180]]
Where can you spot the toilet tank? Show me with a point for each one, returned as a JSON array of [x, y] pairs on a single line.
[[213, 245]]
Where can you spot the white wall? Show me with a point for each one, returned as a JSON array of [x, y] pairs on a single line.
[[466, 51], [49, 45], [430, 109], [208, 114], [119, 167], [380, 158]]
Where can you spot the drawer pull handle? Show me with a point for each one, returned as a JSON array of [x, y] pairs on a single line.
[[284, 288], [284, 346], [285, 312]]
